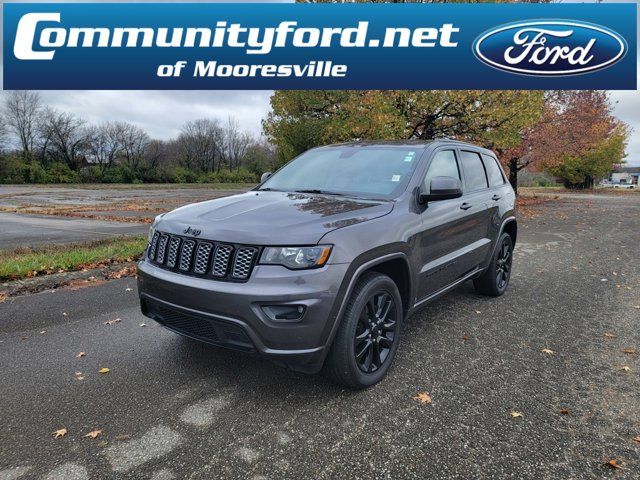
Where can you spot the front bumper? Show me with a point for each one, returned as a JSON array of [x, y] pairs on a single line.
[[230, 314]]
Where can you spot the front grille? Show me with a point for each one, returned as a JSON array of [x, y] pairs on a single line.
[[203, 258]]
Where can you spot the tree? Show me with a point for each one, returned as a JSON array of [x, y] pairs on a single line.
[[133, 143], [200, 144], [579, 139], [3, 134], [300, 120], [103, 145], [21, 113], [63, 137], [234, 144]]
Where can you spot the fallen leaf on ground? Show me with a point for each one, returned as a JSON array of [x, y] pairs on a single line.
[[112, 322], [60, 433], [423, 397], [128, 289], [609, 335], [626, 368], [102, 444], [121, 438], [64, 314], [565, 411], [103, 370], [630, 351], [478, 312], [143, 324], [637, 306], [42, 332], [80, 354], [3, 297], [515, 414], [93, 434], [548, 351], [614, 463], [465, 337], [636, 439]]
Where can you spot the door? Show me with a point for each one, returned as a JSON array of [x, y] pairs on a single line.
[[455, 232]]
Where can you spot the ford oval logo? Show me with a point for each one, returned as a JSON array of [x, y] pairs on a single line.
[[550, 47]]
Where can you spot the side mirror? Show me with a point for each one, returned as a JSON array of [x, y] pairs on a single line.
[[265, 176], [442, 188]]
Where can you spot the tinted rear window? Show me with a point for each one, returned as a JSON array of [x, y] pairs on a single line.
[[474, 175], [493, 171]]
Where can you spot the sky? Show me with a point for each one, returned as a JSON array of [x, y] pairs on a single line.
[[162, 113]]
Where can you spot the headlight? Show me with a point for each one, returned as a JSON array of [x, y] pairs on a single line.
[[296, 257]]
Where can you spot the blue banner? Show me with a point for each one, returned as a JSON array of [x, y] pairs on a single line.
[[183, 46]]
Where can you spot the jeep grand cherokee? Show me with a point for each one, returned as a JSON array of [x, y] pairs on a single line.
[[320, 264]]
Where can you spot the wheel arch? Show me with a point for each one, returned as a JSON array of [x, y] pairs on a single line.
[[396, 263]]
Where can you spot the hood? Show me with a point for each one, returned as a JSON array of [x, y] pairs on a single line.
[[271, 218]]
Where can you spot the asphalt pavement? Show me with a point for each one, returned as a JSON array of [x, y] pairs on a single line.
[[19, 230], [501, 406]]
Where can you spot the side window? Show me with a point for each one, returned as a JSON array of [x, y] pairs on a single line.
[[493, 171], [475, 177], [443, 165]]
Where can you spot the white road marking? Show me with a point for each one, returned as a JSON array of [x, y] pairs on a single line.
[[247, 454], [203, 413], [154, 444], [13, 473], [68, 471], [283, 438], [164, 474]]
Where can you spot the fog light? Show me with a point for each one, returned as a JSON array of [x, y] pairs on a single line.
[[284, 312]]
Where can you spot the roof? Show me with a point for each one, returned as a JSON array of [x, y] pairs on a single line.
[[405, 143]]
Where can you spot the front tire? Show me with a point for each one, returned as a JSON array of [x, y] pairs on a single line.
[[495, 280], [368, 335]]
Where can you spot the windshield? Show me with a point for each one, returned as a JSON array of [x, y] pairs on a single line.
[[376, 172]]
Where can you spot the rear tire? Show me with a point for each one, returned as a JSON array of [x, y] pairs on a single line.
[[495, 280], [369, 333]]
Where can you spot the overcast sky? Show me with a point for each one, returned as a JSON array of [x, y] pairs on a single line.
[[162, 113]]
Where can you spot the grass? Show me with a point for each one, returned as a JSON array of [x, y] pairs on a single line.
[[23, 263]]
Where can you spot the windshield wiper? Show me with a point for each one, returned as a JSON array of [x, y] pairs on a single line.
[[315, 190]]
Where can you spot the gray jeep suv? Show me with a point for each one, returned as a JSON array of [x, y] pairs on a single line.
[[320, 264]]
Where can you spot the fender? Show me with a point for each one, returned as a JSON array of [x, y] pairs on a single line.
[[507, 220], [343, 297]]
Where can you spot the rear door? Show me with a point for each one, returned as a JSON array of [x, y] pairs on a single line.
[[475, 202], [499, 189]]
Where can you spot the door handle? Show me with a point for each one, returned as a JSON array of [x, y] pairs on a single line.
[[496, 197], [466, 206]]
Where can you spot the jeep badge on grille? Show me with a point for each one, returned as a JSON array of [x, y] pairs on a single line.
[[192, 231]]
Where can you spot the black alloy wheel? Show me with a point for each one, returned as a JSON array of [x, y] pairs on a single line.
[[368, 336], [375, 332], [503, 264]]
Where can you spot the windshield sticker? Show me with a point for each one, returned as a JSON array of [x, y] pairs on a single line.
[[395, 178]]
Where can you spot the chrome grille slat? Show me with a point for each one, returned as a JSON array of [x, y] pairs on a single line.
[[162, 248], [243, 261], [202, 258], [221, 260], [172, 255], [186, 255], [153, 246]]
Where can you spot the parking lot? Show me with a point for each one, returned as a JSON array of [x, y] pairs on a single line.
[[542, 382]]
